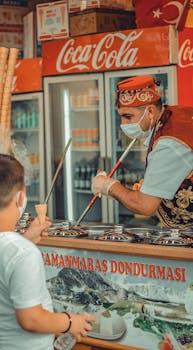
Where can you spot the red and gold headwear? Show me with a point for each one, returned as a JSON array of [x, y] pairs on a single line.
[[136, 91]]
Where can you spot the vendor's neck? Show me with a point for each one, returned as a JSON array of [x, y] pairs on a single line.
[[159, 114]]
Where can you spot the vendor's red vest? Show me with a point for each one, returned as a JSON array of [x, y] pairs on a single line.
[[177, 123]]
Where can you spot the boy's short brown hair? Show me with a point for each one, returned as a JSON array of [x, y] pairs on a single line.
[[11, 178]]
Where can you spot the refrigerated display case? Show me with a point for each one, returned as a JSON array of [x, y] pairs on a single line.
[[74, 106], [27, 137], [82, 106]]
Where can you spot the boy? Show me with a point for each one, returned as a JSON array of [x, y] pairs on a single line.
[[27, 320]]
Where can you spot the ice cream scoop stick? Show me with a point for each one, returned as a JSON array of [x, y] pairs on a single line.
[[58, 169], [41, 210], [116, 166]]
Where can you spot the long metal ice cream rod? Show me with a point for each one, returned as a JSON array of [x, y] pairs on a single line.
[[116, 166], [58, 169]]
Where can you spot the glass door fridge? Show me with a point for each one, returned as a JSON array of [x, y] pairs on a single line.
[[27, 137], [74, 107], [133, 166]]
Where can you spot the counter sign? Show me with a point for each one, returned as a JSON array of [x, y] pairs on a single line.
[[129, 268]]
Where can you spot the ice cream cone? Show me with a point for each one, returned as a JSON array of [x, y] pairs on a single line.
[[41, 210], [13, 52], [5, 140], [3, 66]]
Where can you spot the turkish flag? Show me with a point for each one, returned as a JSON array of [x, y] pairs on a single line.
[[189, 18], [153, 13]]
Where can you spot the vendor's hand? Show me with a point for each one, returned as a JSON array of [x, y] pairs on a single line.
[[36, 230], [102, 183]]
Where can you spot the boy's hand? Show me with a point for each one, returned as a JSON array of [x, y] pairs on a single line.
[[36, 230]]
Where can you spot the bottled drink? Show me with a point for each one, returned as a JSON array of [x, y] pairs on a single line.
[[82, 177], [64, 342], [93, 171], [88, 177], [121, 175], [77, 176]]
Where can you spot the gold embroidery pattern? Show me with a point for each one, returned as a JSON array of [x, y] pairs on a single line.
[[180, 215], [158, 126], [184, 197]]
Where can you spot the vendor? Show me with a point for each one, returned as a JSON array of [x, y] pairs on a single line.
[[167, 187]]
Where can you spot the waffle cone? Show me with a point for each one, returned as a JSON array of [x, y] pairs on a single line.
[[5, 140], [6, 98], [7, 68], [41, 210], [3, 66]]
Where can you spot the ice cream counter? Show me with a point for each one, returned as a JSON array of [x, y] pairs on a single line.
[[140, 293]]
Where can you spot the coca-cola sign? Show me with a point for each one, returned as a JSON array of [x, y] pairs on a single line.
[[102, 54], [186, 53], [108, 51], [185, 67]]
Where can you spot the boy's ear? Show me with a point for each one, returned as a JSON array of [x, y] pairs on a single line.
[[19, 198]]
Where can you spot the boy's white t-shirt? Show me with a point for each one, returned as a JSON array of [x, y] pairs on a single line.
[[22, 285]]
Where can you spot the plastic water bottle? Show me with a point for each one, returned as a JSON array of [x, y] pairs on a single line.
[[64, 342]]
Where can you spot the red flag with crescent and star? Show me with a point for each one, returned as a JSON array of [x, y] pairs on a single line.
[[153, 13]]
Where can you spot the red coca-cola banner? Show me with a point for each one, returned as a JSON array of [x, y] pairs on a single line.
[[185, 67], [110, 51], [27, 75]]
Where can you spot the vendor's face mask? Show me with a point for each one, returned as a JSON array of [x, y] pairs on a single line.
[[22, 208], [134, 130]]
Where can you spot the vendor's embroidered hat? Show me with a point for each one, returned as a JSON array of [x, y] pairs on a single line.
[[136, 91]]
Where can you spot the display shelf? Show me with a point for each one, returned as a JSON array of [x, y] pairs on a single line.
[[33, 198], [85, 108], [85, 149], [134, 149], [24, 130], [83, 191]]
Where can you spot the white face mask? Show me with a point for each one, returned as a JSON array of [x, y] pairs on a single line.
[[22, 208], [134, 130]]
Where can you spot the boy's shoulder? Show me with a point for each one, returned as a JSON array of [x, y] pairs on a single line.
[[15, 244]]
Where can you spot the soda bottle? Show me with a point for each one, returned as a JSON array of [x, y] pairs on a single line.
[[82, 177], [88, 177], [64, 342], [77, 177]]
